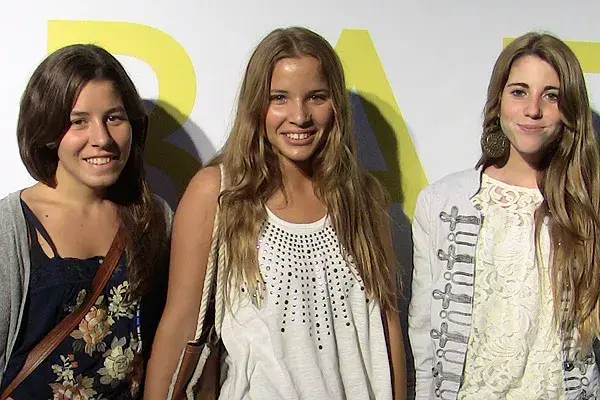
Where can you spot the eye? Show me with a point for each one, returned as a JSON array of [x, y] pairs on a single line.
[[518, 92], [115, 119], [78, 123], [277, 98], [318, 98], [552, 97]]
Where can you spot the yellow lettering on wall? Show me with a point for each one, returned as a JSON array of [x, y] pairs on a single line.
[[174, 72], [405, 176], [588, 54]]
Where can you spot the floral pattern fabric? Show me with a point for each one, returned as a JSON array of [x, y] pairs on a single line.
[[101, 359], [120, 356]]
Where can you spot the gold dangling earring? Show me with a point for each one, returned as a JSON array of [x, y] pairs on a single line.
[[494, 142]]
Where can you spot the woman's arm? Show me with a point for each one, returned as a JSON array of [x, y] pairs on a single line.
[[396, 353], [190, 245], [419, 311]]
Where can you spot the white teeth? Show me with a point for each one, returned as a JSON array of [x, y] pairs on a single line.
[[297, 136], [98, 160]]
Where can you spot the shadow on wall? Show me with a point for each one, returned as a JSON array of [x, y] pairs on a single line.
[[373, 131], [596, 123], [171, 155], [172, 159]]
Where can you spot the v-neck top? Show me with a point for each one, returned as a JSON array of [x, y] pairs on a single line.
[[101, 358]]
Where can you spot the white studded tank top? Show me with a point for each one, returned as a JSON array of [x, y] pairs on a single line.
[[316, 335]]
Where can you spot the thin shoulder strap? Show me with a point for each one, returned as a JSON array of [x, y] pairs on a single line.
[[221, 255], [37, 224]]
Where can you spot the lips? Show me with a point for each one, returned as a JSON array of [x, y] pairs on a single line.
[[530, 128], [299, 135], [299, 138], [99, 160]]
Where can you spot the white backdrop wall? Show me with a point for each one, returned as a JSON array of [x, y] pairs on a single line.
[[418, 70]]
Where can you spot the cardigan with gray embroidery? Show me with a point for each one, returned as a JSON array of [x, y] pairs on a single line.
[[445, 230]]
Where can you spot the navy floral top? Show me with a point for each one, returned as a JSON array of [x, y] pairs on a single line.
[[101, 359]]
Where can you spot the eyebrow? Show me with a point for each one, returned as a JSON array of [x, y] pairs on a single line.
[[526, 86], [283, 91], [76, 113]]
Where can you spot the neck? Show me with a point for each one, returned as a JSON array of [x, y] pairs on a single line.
[[297, 177], [77, 194], [519, 170]]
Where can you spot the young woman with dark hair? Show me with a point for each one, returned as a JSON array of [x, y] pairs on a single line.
[[81, 133]]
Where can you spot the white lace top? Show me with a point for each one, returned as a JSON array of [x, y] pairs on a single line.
[[514, 348], [316, 334]]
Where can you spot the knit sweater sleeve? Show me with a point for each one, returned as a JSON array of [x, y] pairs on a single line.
[[14, 273]]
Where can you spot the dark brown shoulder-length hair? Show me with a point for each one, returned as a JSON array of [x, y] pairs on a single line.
[[44, 118]]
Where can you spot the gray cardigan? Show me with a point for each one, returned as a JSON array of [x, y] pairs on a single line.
[[15, 270], [445, 230]]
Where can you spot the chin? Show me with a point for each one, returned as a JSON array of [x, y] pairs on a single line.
[[101, 184], [299, 157], [300, 160], [530, 151], [529, 146]]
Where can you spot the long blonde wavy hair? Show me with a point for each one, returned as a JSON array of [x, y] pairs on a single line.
[[355, 201], [569, 177]]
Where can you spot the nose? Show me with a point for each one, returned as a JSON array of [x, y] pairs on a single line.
[[99, 134], [533, 108], [300, 113]]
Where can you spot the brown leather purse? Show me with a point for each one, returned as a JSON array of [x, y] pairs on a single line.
[[198, 377], [64, 328]]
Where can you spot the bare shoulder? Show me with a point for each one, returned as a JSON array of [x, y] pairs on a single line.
[[38, 195], [199, 202], [45, 202], [204, 186], [192, 233]]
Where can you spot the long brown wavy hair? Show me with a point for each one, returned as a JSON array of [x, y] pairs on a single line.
[[355, 200], [44, 114], [569, 180]]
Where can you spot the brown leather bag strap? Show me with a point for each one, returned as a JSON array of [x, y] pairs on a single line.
[[68, 324]]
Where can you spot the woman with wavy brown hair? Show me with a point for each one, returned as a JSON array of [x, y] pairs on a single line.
[[310, 272], [506, 285], [81, 135]]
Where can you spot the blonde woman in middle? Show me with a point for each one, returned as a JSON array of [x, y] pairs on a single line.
[[311, 269]]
